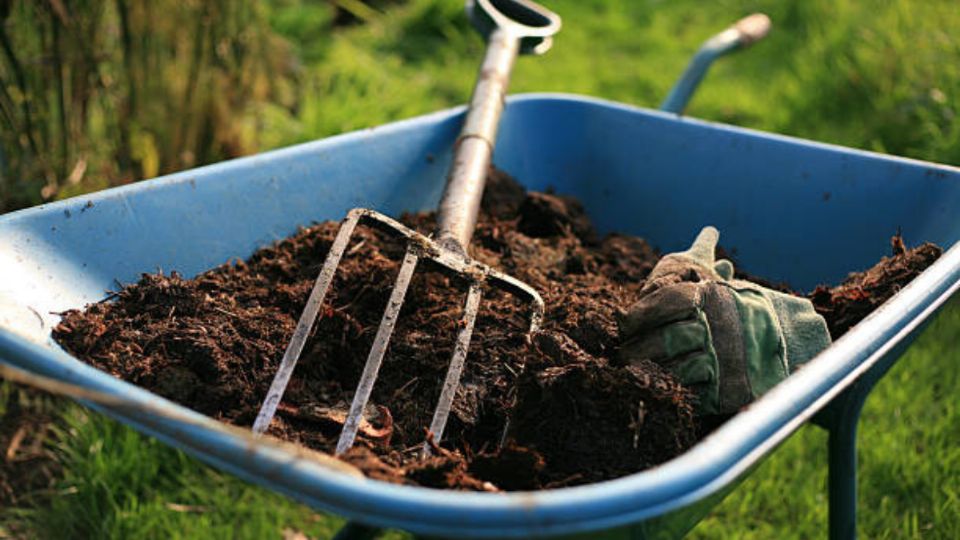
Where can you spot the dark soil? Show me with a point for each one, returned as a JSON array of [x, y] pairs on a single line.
[[862, 292], [214, 342]]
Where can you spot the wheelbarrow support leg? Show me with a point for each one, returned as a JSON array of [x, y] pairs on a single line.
[[841, 419], [357, 531], [842, 452]]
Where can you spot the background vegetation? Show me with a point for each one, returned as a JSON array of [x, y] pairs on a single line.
[[95, 94]]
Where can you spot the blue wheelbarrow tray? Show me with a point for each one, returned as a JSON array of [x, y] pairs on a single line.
[[793, 210]]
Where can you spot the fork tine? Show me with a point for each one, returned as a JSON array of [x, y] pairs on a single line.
[[452, 381], [375, 358], [309, 315]]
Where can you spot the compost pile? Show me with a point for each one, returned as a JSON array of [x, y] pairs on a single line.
[[213, 343]]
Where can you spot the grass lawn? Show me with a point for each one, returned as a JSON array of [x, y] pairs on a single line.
[[883, 76]]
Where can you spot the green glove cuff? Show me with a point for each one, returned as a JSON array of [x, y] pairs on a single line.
[[763, 351], [804, 330], [785, 331]]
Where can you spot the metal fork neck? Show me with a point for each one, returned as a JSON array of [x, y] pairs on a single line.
[[460, 204]]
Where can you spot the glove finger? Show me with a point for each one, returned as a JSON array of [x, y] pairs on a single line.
[[704, 247], [700, 373], [665, 305], [667, 343], [724, 269], [695, 370], [675, 268], [655, 283]]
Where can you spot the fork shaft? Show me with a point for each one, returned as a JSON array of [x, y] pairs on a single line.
[[457, 213]]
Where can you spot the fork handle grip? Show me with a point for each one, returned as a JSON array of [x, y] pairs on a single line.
[[473, 151]]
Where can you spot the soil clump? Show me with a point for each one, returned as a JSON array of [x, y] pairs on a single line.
[[850, 302]]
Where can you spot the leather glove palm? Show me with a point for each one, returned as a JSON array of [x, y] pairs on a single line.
[[728, 340]]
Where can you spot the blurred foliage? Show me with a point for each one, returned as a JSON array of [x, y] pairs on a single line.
[[877, 75], [96, 93]]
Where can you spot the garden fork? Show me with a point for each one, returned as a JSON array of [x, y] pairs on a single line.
[[510, 27]]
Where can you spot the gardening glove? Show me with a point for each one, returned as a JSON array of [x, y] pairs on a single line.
[[728, 340]]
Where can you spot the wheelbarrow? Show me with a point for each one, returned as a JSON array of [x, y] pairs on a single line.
[[824, 207]]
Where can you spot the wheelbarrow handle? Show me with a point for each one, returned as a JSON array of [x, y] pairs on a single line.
[[739, 35]]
